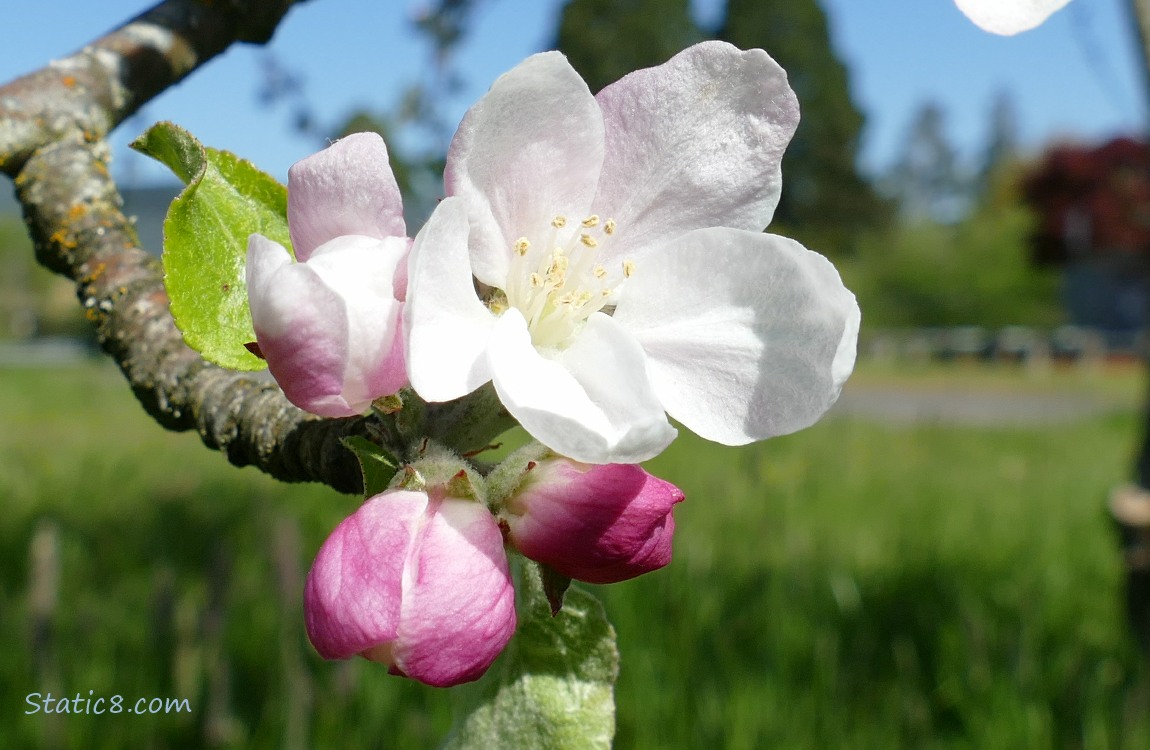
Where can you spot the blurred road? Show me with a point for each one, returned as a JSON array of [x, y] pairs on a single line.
[[972, 407]]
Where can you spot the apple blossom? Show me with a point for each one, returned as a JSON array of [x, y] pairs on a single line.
[[329, 324], [622, 273], [1009, 17], [418, 581], [595, 523]]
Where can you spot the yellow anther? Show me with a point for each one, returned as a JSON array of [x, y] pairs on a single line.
[[588, 240], [559, 263], [599, 271], [590, 221], [521, 246], [628, 268], [609, 226], [559, 222], [536, 280]]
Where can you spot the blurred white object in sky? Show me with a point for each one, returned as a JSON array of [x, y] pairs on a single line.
[[1009, 16]]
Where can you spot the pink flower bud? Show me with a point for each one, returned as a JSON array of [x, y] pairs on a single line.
[[417, 582], [595, 523], [329, 325]]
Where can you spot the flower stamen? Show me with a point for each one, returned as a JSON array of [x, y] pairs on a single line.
[[557, 291]]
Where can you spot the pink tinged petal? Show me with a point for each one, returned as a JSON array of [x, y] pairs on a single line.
[[306, 316], [459, 605], [362, 270], [418, 583], [348, 188], [301, 328], [399, 282], [747, 335], [1009, 17], [696, 142], [354, 593], [599, 524], [447, 326], [529, 150], [592, 402]]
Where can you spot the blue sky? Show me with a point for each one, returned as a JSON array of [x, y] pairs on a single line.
[[1074, 78]]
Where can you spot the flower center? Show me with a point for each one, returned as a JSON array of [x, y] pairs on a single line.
[[557, 281]]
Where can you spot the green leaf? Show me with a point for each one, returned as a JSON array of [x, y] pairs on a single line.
[[553, 686], [377, 465], [206, 241]]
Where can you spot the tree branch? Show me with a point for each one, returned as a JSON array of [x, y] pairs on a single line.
[[53, 125]]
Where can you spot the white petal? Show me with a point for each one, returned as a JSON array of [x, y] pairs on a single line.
[[592, 403], [362, 271], [1009, 17], [747, 335], [265, 258], [447, 326], [283, 295], [301, 326], [694, 143], [529, 150], [348, 188]]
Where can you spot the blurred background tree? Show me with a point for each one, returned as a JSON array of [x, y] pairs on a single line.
[[926, 181]]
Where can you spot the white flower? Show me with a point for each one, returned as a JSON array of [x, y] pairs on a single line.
[[622, 275]]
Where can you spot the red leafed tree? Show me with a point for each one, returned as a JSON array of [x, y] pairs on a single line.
[[1091, 201]]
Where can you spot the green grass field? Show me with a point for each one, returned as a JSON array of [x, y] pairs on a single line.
[[857, 585]]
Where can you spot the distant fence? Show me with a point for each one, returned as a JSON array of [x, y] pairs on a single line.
[[1014, 344]]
